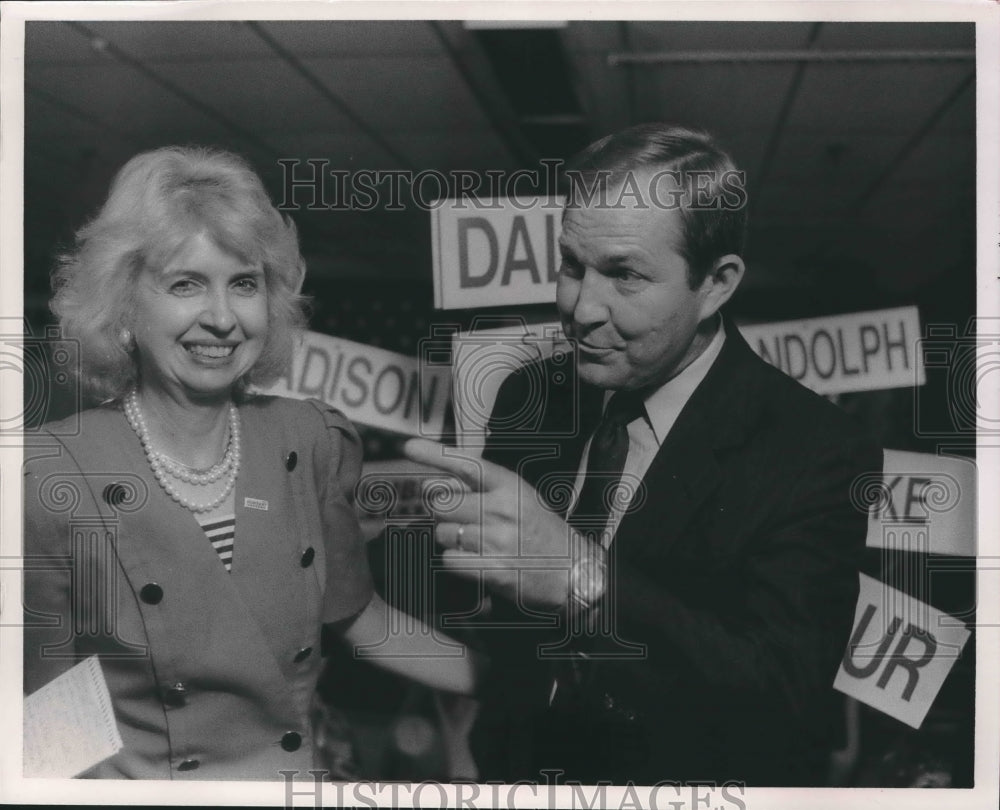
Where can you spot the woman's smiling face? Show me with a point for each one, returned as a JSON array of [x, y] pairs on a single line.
[[200, 322]]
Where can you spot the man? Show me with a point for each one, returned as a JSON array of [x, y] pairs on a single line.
[[687, 627]]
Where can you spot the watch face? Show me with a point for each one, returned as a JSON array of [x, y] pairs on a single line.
[[587, 581]]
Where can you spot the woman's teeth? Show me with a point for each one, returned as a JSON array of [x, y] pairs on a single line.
[[211, 351]]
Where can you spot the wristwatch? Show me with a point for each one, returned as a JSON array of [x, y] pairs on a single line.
[[588, 578]]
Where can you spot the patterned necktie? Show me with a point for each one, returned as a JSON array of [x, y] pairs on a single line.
[[608, 451]]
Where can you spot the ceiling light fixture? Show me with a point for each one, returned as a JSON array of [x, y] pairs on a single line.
[[500, 25]]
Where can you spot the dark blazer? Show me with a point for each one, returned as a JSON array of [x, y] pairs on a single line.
[[733, 587], [208, 670]]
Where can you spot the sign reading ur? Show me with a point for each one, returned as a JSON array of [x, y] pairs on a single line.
[[900, 652]]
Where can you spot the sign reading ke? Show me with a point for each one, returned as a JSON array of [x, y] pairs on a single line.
[[900, 652], [924, 504], [371, 386], [862, 351], [495, 252]]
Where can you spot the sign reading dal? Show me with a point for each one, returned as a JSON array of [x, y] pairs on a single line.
[[370, 385], [863, 351], [495, 252]]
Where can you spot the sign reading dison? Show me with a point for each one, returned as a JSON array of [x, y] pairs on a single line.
[[371, 386]]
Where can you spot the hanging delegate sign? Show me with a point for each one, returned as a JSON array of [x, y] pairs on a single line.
[[923, 503], [495, 252], [482, 358], [856, 352], [862, 351], [900, 652], [371, 386]]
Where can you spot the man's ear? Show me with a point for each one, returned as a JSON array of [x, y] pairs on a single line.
[[720, 283]]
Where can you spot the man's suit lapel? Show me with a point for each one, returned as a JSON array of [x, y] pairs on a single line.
[[687, 469], [683, 474], [551, 465], [561, 477]]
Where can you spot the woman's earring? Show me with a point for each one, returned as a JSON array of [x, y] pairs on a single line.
[[127, 339]]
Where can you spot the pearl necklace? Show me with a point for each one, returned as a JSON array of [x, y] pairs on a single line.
[[164, 468]]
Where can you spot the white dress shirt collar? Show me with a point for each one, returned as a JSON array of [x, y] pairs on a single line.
[[665, 404]]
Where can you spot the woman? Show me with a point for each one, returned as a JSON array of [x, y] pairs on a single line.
[[209, 533]]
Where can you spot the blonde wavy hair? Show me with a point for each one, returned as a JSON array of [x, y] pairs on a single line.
[[159, 200]]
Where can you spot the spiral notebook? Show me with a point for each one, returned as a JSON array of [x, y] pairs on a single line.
[[69, 724]]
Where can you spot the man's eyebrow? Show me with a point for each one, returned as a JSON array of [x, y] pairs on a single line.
[[612, 260], [619, 258]]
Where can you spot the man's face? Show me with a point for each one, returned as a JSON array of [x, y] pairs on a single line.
[[623, 292]]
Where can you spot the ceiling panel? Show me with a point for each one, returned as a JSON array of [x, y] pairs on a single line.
[[895, 206], [815, 176], [722, 98], [735, 36], [785, 201], [45, 115], [833, 160], [263, 95], [875, 35], [428, 92], [356, 38], [960, 117], [597, 37], [124, 98], [605, 91], [905, 261], [781, 248], [939, 162], [424, 93], [343, 150], [744, 145], [474, 151], [884, 97], [179, 41], [56, 43]]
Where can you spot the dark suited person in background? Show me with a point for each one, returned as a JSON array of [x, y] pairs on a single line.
[[682, 507]]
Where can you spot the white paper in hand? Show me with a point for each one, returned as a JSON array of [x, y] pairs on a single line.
[[69, 724]]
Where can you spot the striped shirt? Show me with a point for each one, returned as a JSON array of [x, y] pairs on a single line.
[[221, 533]]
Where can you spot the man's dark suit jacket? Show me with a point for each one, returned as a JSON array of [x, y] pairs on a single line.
[[738, 573]]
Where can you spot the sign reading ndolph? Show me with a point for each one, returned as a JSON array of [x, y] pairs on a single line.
[[861, 351]]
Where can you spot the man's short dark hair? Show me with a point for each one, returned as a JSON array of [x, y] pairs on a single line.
[[713, 209]]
